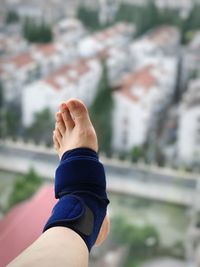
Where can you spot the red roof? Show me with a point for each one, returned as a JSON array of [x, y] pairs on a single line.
[[68, 73], [53, 83], [24, 224], [119, 28], [22, 60], [46, 49], [162, 35], [142, 78]]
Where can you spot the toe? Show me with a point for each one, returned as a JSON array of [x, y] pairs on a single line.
[[55, 141], [78, 111], [58, 117], [66, 117], [58, 136], [61, 127]]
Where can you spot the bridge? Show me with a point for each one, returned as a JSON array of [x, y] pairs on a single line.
[[143, 181]]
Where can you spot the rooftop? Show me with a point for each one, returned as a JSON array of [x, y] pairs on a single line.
[[24, 224], [142, 79], [68, 74], [163, 34], [158, 37], [45, 49], [119, 28], [19, 61]]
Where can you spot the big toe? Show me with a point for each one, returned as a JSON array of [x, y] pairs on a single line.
[[79, 112], [86, 135]]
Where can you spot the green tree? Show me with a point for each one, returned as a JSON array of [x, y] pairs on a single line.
[[170, 16], [37, 32], [12, 120], [41, 128], [128, 13], [137, 153], [192, 22], [101, 112], [143, 240], [24, 187], [136, 14], [155, 17], [89, 17], [12, 17], [151, 15]]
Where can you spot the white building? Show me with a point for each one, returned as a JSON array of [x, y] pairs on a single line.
[[52, 56], [78, 80], [119, 36], [138, 100], [163, 40], [107, 11], [188, 146], [118, 63], [8, 44], [24, 68], [191, 60], [184, 6], [111, 45], [15, 72], [38, 10], [69, 31]]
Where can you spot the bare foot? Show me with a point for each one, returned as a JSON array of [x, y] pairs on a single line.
[[73, 128]]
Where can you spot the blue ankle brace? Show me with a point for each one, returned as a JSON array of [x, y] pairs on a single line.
[[80, 185]]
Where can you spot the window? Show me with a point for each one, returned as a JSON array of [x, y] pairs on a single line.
[[124, 131], [124, 137]]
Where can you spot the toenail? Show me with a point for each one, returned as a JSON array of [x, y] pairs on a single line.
[[73, 104]]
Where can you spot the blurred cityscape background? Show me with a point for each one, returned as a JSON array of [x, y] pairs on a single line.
[[136, 65]]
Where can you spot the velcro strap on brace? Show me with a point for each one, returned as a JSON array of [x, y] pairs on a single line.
[[80, 170], [80, 185], [72, 212]]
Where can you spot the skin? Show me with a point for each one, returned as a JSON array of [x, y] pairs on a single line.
[[61, 246], [73, 128]]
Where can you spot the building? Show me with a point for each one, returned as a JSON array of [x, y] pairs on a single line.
[[69, 31], [191, 60], [107, 11], [17, 71], [8, 44], [189, 126], [76, 80], [112, 46], [24, 68], [119, 36], [160, 41], [140, 97], [118, 62], [37, 10], [51, 57], [183, 7]]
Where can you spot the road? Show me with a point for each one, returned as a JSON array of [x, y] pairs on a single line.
[[122, 178]]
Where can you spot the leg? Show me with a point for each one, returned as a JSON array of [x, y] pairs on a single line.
[[61, 246]]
